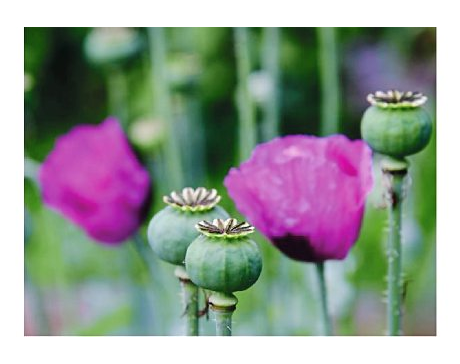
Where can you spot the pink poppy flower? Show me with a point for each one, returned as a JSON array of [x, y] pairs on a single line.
[[93, 178], [306, 194]]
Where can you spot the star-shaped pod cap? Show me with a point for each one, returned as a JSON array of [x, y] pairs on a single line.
[[395, 99], [229, 228], [200, 199], [222, 259], [396, 124]]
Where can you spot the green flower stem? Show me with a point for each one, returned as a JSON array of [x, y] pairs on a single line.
[[223, 322], [326, 320], [329, 78], [223, 305], [394, 172], [270, 63], [189, 293], [162, 103], [194, 143], [117, 94], [246, 113]]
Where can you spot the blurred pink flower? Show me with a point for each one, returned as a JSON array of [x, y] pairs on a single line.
[[93, 178], [306, 194]]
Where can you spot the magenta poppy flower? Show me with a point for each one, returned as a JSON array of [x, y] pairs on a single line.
[[306, 194], [93, 178]]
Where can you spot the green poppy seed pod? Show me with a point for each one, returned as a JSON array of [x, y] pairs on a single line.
[[172, 230], [395, 124], [112, 45], [147, 134], [223, 258]]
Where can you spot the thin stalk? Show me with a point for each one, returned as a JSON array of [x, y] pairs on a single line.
[[162, 102], [326, 320], [246, 113], [189, 293], [223, 305], [329, 79], [197, 135], [270, 63], [223, 322], [394, 278], [193, 139], [117, 94]]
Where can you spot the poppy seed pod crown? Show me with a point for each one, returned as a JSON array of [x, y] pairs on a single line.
[[112, 45], [223, 258], [172, 229], [395, 124]]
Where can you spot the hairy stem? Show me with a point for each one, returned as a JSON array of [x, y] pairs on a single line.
[[189, 293], [395, 179]]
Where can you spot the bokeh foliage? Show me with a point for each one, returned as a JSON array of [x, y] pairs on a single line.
[[76, 286]]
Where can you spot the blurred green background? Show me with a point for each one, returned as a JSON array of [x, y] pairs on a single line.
[[182, 96]]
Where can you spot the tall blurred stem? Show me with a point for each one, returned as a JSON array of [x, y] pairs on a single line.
[[117, 94], [162, 102], [329, 78], [247, 128], [326, 320], [270, 64]]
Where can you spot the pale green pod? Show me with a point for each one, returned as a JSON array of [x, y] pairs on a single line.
[[395, 124], [112, 45], [224, 260], [172, 230]]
